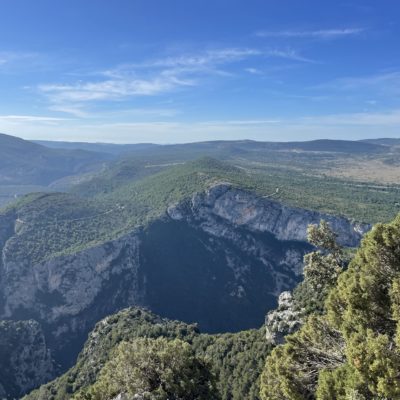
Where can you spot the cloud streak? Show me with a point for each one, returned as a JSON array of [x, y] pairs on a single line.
[[377, 119], [10, 58], [389, 81], [289, 54], [155, 77], [114, 89], [207, 58], [323, 34], [30, 118]]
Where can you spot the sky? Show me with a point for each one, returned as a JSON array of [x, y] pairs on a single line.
[[173, 71]]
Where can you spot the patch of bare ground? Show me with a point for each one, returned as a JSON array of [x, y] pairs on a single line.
[[366, 171]]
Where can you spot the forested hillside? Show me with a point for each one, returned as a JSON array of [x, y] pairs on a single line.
[[232, 362], [116, 202], [27, 167], [26, 163]]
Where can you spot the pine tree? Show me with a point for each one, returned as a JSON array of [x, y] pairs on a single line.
[[323, 266], [153, 369]]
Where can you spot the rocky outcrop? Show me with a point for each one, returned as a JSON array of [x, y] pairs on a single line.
[[282, 321], [123, 396], [25, 360]]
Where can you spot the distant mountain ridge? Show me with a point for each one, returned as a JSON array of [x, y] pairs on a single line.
[[330, 145], [24, 162], [109, 148], [325, 145], [383, 141]]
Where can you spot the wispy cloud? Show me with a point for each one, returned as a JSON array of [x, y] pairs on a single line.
[[6, 57], [151, 77], [383, 88], [156, 77], [226, 56], [246, 122], [74, 98], [254, 71], [289, 54], [149, 112], [314, 34], [385, 80], [30, 118], [77, 110], [9, 58], [114, 89], [376, 119], [206, 58]]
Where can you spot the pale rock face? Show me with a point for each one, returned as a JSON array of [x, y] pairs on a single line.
[[282, 321], [68, 294], [293, 258], [123, 396], [73, 281], [174, 213], [243, 208]]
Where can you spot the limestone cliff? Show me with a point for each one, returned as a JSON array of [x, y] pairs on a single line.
[[242, 208], [69, 294]]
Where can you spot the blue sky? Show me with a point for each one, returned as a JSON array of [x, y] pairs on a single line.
[[172, 71]]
